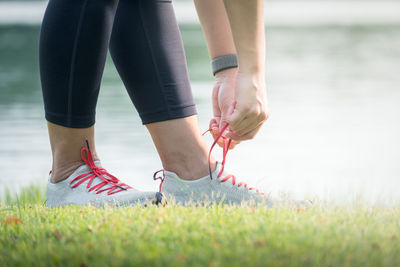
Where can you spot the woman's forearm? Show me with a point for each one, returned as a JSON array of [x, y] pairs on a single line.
[[246, 18], [216, 28]]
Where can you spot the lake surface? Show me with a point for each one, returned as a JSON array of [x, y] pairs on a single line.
[[334, 132]]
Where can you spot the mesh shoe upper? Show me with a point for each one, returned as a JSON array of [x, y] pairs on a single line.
[[209, 189]]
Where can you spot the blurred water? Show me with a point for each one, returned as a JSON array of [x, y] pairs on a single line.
[[334, 131]]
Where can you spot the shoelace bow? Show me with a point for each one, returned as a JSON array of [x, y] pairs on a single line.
[[103, 174], [225, 148]]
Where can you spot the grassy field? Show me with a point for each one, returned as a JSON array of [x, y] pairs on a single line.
[[357, 235]]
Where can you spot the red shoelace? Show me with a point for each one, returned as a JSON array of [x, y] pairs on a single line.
[[103, 174], [225, 149]]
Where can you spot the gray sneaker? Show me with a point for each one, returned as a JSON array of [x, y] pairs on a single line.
[[218, 187], [92, 184]]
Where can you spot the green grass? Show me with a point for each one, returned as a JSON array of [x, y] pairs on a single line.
[[324, 235]]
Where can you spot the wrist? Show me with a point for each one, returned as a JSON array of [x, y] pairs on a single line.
[[251, 76], [252, 62], [248, 82], [252, 69]]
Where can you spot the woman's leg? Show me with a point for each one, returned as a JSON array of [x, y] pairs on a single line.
[[73, 47], [147, 50]]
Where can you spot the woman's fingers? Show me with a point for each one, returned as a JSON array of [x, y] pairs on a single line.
[[215, 130], [248, 136], [243, 122], [220, 142]]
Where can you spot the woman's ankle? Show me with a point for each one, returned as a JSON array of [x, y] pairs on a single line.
[[60, 172]]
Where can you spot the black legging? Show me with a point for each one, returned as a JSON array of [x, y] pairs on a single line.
[[145, 45]]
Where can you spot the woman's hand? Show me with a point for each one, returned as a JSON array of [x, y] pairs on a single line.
[[240, 100], [223, 98], [249, 110]]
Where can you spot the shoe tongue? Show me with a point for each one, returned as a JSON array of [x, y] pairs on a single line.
[[217, 169], [97, 163], [85, 168]]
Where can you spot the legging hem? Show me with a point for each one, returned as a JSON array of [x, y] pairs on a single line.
[[73, 122], [169, 115]]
